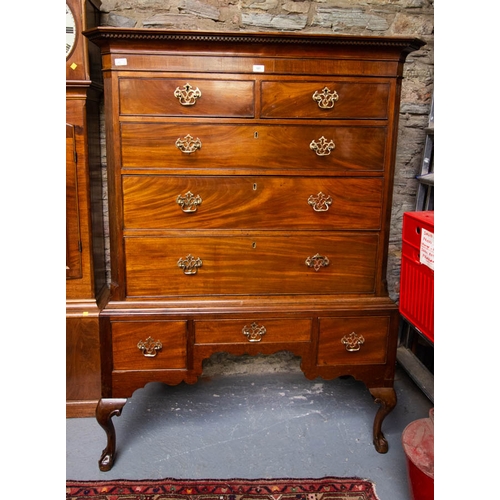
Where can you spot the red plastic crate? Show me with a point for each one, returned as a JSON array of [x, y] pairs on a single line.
[[416, 295]]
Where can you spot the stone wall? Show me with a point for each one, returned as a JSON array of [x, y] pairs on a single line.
[[368, 17]]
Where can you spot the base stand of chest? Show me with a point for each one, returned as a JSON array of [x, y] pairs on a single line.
[[142, 345], [107, 408]]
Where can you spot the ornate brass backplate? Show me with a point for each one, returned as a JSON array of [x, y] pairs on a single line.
[[317, 262], [187, 95], [254, 332], [325, 98], [149, 347], [320, 202], [188, 144], [189, 202], [190, 264], [353, 341], [322, 147]]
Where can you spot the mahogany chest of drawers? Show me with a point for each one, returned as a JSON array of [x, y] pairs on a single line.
[[250, 182]]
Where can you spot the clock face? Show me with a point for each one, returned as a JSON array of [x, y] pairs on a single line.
[[70, 31]]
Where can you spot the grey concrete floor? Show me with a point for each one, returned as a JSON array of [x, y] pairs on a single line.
[[252, 425]]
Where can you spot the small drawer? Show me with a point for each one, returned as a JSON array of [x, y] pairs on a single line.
[[353, 340], [149, 345], [186, 97], [253, 330], [260, 202], [326, 99]]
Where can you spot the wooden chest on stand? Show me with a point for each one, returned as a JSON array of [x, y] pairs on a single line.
[[250, 183]]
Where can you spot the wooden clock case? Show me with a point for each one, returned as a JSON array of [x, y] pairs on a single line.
[[85, 258]]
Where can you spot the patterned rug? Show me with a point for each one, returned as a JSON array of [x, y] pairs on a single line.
[[327, 488]]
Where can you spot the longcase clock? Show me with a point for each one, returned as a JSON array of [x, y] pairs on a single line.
[[85, 261]]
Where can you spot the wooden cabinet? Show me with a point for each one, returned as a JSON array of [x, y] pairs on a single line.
[[250, 182], [85, 262]]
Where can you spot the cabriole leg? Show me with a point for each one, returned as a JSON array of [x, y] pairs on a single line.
[[106, 409], [386, 398]]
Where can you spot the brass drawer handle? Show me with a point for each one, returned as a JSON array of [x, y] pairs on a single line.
[[353, 342], [325, 98], [190, 264], [254, 332], [320, 203], [317, 262], [150, 347], [323, 147], [187, 95], [189, 202], [188, 145]]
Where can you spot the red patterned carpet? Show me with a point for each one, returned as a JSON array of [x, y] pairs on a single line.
[[328, 488]]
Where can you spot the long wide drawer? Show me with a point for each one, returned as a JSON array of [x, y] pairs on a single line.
[[325, 99], [251, 263], [161, 202], [319, 148]]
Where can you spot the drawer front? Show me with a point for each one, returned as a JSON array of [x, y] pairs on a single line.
[[328, 99], [354, 340], [318, 148], [253, 330], [161, 202], [254, 263], [186, 97], [136, 345]]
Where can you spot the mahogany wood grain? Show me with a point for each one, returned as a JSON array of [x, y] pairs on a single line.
[[357, 99], [258, 202], [266, 147], [73, 236], [128, 356], [373, 350], [218, 97], [276, 330], [256, 263]]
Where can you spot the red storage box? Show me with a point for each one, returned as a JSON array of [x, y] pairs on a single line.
[[416, 294]]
